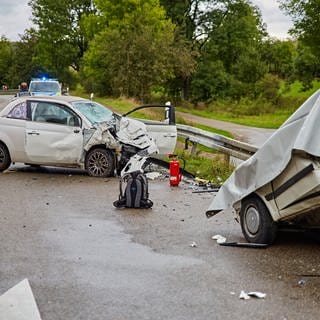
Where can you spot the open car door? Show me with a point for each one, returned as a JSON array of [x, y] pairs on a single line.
[[162, 128]]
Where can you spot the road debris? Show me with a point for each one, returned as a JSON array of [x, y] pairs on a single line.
[[255, 294], [153, 175], [193, 244], [244, 245], [302, 282], [220, 239], [243, 295]]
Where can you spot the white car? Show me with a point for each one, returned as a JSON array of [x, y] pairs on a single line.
[[68, 131], [280, 184]]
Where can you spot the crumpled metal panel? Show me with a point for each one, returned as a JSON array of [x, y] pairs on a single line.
[[100, 135], [133, 132], [300, 133]]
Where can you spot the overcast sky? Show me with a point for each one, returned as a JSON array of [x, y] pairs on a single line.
[[15, 18]]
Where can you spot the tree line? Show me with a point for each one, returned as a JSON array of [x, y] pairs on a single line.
[[192, 50]]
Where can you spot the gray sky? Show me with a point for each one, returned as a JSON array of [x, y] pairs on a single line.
[[15, 18], [277, 23]]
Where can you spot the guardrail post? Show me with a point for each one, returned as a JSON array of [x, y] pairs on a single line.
[[226, 158], [194, 148]]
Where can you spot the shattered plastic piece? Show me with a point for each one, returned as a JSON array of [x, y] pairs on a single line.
[[257, 294], [193, 244], [243, 295], [220, 239], [153, 175], [301, 282]]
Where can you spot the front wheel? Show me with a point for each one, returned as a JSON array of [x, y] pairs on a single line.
[[100, 163], [256, 222], [5, 159]]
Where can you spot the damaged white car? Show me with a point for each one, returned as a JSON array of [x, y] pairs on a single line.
[[68, 131], [280, 184]]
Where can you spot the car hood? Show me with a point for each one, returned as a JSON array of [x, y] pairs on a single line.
[[128, 131], [300, 133], [44, 93]]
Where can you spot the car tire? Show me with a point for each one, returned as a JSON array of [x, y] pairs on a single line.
[[100, 163], [5, 159], [256, 222]]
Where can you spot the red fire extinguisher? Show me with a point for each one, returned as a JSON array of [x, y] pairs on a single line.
[[174, 168]]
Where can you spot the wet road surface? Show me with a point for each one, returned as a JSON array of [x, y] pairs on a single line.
[[87, 260]]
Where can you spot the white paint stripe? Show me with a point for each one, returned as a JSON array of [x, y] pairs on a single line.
[[18, 303]]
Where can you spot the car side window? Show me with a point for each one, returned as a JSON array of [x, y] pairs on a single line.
[[19, 112], [53, 113]]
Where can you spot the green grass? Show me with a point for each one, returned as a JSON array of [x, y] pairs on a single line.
[[271, 121], [214, 169], [295, 90]]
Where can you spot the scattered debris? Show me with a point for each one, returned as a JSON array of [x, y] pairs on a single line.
[[220, 239], [302, 282], [255, 294], [243, 295], [244, 245], [193, 244], [153, 175], [206, 191]]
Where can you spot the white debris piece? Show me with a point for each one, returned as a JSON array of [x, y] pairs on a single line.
[[220, 239], [243, 295], [153, 175], [193, 244], [256, 294]]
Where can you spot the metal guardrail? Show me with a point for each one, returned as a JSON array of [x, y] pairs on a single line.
[[228, 146], [8, 92]]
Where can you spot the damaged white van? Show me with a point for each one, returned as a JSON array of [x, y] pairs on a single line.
[[280, 184], [68, 131]]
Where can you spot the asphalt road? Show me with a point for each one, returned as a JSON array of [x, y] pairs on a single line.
[[86, 260]]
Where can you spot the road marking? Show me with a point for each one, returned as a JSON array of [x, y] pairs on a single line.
[[18, 303]]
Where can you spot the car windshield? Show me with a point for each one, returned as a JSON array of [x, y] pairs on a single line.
[[93, 111], [44, 86]]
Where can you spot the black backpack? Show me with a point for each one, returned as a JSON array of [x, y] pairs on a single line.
[[133, 191]]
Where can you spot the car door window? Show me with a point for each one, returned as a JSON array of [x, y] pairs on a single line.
[[53, 113], [19, 111]]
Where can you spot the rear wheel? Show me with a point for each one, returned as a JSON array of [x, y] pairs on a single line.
[[5, 159], [100, 163], [256, 222]]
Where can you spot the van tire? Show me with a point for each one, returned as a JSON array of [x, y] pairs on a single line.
[[256, 222]]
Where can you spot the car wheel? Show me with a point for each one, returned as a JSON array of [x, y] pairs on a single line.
[[5, 159], [100, 163], [256, 222]]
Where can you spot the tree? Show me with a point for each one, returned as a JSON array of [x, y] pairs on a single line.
[[23, 66], [62, 37], [5, 60], [306, 20], [133, 52], [235, 34], [279, 56]]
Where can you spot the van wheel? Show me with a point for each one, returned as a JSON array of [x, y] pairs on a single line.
[[5, 159], [256, 222], [100, 163]]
